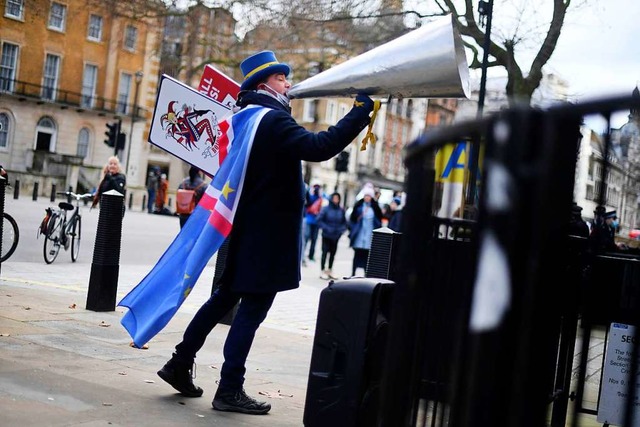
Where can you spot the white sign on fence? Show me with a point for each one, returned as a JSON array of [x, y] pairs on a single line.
[[185, 124], [615, 377]]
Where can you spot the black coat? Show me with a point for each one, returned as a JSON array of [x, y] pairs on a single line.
[[110, 182], [265, 241]]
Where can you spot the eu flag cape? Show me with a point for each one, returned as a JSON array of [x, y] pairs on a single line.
[[154, 301]]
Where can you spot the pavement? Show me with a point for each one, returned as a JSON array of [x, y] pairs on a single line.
[[63, 365]]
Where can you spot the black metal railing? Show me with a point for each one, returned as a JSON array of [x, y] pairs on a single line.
[[489, 308], [41, 94]]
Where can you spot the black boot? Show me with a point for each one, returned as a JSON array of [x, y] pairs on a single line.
[[179, 376], [238, 401]]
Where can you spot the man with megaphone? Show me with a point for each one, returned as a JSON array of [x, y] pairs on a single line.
[[265, 243]]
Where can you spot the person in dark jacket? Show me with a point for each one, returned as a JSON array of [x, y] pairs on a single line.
[[193, 182], [112, 179], [365, 217], [333, 222], [264, 252]]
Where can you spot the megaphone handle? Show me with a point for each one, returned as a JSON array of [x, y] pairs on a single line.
[[370, 136]]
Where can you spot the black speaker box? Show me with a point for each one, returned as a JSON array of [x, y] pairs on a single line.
[[348, 353]]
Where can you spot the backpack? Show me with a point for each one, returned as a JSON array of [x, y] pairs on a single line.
[[185, 201]]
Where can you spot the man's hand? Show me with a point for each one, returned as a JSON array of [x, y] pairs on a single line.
[[363, 101]]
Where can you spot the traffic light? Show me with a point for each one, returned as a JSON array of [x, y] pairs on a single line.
[[342, 162], [112, 131], [121, 140]]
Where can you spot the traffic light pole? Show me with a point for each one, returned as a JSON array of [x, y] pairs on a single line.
[[115, 145]]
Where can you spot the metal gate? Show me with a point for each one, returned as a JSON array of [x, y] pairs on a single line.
[[496, 313]]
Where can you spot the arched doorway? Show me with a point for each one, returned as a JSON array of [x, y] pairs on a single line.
[[46, 133]]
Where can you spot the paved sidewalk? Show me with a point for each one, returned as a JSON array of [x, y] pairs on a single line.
[[63, 365]]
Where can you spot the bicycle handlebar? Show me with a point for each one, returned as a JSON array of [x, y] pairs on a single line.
[[78, 197]]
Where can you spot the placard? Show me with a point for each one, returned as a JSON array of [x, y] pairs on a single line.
[[615, 377], [217, 85], [185, 124]]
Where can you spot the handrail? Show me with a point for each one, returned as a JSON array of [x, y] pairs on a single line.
[[68, 98]]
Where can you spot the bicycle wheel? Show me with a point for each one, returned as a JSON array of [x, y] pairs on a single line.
[[52, 239], [10, 236], [76, 230]]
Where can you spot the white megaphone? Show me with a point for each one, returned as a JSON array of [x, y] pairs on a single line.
[[428, 62]]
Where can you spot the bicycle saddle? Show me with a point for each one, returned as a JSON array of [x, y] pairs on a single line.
[[66, 206]]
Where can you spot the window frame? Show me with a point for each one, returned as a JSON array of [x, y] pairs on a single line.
[[62, 17], [89, 100], [91, 37], [10, 86], [50, 92], [309, 110], [5, 129], [14, 3], [84, 141], [123, 107], [129, 31]]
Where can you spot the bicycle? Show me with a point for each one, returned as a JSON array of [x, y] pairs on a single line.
[[10, 231], [60, 231]]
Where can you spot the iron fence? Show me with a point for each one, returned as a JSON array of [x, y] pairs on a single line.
[[496, 313]]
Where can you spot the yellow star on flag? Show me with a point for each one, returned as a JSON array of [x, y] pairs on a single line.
[[226, 190]]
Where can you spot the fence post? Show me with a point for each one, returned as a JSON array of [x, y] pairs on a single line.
[[103, 280], [16, 189], [35, 191]]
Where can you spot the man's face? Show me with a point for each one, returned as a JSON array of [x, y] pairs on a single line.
[[279, 83]]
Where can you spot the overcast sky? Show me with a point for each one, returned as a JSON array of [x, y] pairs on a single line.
[[599, 49]]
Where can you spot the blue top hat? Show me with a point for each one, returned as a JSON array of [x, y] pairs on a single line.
[[259, 66]]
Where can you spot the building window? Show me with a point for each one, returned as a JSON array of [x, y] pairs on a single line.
[[8, 66], [14, 9], [309, 113], [89, 79], [50, 76], [331, 117], [57, 16], [130, 37], [95, 28], [83, 143], [124, 89], [4, 130]]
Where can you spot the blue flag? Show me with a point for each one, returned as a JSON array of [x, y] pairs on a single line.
[[154, 301]]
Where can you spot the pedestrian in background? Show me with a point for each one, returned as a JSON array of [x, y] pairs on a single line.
[[193, 182], [396, 213], [365, 217], [112, 179], [263, 257], [313, 205], [152, 187], [333, 222], [162, 196]]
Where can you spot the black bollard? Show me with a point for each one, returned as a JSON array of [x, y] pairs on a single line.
[[35, 191], [103, 281], [53, 192], [16, 189], [144, 202], [70, 189], [130, 200]]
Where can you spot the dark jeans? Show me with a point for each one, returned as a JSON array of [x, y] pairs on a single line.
[[329, 247], [311, 235], [360, 257], [251, 312], [151, 201]]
